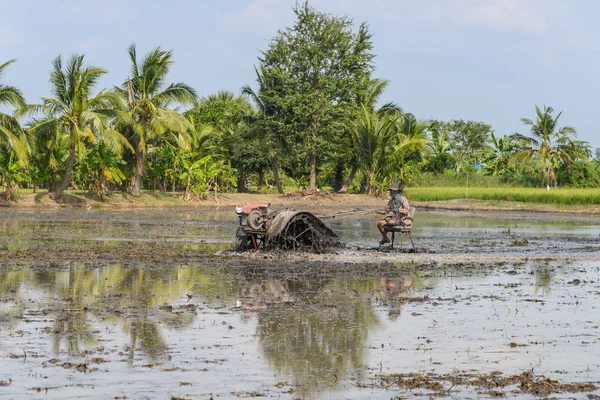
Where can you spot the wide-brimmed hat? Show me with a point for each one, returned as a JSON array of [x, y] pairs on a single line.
[[396, 187]]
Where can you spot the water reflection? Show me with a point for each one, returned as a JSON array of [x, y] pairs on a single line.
[[392, 291], [312, 329], [316, 330]]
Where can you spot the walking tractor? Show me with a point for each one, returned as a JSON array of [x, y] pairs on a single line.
[[260, 228], [253, 224]]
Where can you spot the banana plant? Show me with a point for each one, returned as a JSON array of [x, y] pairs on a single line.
[[11, 175]]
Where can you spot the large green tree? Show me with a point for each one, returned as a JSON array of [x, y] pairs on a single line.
[[150, 115], [550, 144], [266, 127], [468, 140], [73, 112], [313, 72]]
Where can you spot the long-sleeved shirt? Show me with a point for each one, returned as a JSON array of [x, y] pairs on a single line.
[[403, 207]]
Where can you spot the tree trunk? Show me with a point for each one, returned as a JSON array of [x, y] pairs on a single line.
[[242, 182], [353, 172], [261, 181], [173, 185], [543, 176], [313, 156], [139, 169], [371, 184], [57, 194], [338, 181], [275, 167]]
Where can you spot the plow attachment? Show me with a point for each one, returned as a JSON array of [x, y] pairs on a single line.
[[291, 230]]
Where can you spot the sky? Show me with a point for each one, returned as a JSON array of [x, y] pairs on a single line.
[[483, 60]]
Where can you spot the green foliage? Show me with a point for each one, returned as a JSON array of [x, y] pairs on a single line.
[[468, 140], [549, 144], [11, 133], [315, 119], [11, 174], [579, 174], [310, 77], [149, 117], [374, 136], [74, 114], [476, 179], [439, 159], [560, 196], [228, 120], [498, 156], [104, 165]]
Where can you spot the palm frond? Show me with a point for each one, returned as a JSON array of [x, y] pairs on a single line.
[[178, 93]]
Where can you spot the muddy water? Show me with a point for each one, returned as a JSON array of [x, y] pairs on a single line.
[[107, 305]]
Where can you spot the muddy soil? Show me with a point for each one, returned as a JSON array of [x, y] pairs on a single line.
[[97, 304]]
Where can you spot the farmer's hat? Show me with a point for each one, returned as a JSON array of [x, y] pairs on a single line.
[[396, 187]]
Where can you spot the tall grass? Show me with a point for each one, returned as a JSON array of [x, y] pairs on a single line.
[[476, 179], [559, 196]]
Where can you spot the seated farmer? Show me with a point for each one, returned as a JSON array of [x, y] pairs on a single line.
[[398, 205]]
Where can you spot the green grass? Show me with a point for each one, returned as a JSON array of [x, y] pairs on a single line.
[[558, 196]]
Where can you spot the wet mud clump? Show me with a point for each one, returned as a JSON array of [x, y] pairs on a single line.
[[491, 384], [303, 231]]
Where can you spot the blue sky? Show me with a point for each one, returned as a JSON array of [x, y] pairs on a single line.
[[485, 60]]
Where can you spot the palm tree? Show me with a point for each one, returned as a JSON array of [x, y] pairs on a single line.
[[374, 136], [149, 114], [549, 144], [10, 130], [369, 102], [373, 94], [74, 113], [226, 118], [410, 145], [104, 167]]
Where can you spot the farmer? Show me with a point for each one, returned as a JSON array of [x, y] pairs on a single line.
[[398, 205]]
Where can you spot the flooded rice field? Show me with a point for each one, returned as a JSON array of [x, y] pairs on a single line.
[[152, 304]]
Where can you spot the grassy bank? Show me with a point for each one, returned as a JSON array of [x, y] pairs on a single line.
[[558, 196]]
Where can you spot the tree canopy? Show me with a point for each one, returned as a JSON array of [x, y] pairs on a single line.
[[316, 117]]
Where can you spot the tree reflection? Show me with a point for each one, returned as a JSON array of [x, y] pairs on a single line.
[[315, 330], [78, 297]]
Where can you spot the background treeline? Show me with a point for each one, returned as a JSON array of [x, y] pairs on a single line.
[[314, 118]]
